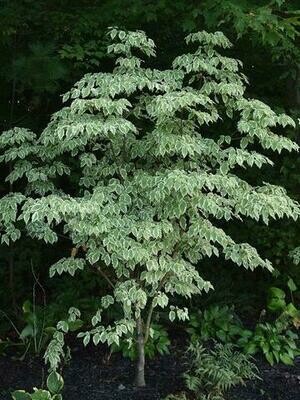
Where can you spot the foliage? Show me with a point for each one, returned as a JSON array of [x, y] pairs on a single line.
[[286, 312], [152, 188], [158, 343], [266, 22], [216, 322], [277, 304], [213, 372], [276, 339], [55, 385], [277, 343]]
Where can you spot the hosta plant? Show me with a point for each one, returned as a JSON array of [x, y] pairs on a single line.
[[153, 173], [275, 341]]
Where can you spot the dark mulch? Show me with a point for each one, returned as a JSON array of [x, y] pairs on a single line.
[[89, 378], [280, 382]]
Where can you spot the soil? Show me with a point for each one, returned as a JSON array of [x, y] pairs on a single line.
[[88, 377]]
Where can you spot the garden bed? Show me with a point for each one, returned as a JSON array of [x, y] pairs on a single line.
[[88, 377]]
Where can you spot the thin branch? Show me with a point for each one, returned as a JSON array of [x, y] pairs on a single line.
[[152, 306], [103, 274]]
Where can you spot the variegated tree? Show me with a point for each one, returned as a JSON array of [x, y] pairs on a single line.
[[157, 176]]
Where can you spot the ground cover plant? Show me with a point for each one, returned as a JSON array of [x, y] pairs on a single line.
[[213, 372], [157, 177], [55, 384], [274, 333]]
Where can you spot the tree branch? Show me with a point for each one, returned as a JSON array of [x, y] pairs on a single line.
[[151, 309], [103, 274]]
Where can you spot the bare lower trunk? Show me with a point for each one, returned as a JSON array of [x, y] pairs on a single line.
[[140, 372]]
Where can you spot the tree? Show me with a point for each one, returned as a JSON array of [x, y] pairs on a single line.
[[46, 46], [157, 178]]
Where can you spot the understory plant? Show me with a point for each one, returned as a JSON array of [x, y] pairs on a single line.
[[277, 304], [55, 384], [213, 372], [33, 336], [153, 173], [277, 338], [216, 322], [274, 340]]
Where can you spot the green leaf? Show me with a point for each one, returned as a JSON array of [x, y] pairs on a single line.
[[224, 168], [75, 325], [27, 331], [63, 325], [276, 304], [291, 285], [276, 292], [55, 382], [21, 395], [27, 307], [40, 394], [292, 311], [276, 301], [86, 339], [172, 315], [251, 348], [270, 358], [286, 359]]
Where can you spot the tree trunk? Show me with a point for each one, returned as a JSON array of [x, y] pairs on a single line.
[[140, 372]]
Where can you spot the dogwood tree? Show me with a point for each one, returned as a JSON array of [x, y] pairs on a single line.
[[153, 176]]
